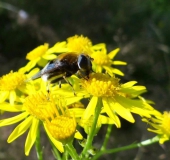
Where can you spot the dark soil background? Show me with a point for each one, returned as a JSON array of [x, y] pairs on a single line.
[[141, 29]]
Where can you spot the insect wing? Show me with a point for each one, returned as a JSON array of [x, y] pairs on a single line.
[[36, 76], [50, 67]]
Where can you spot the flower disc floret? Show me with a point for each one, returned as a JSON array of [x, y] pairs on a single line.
[[62, 128], [99, 58], [79, 44], [101, 85], [40, 106], [11, 81]]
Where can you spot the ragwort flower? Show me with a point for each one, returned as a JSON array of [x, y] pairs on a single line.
[[10, 85], [13, 84], [103, 61], [118, 99], [160, 125], [62, 125], [35, 108], [38, 56]]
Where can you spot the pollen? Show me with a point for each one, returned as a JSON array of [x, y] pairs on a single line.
[[101, 85], [79, 44], [37, 52], [41, 106], [11, 81], [166, 123], [62, 128], [101, 58]]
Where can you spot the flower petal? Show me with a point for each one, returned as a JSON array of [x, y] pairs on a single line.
[[49, 56], [117, 71], [98, 69], [12, 97], [11, 108], [71, 99], [119, 63], [106, 120], [20, 129], [31, 136], [122, 111], [133, 90], [78, 135], [90, 108], [129, 84], [99, 46], [110, 113], [29, 66], [138, 106], [9, 121], [59, 47], [77, 112], [57, 144], [113, 53], [113, 70], [3, 96], [163, 139]]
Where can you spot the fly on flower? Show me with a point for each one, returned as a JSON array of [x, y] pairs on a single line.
[[65, 65]]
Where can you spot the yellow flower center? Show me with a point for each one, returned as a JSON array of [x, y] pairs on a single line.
[[101, 85], [79, 44], [54, 114], [37, 52], [166, 123], [11, 81], [101, 58], [40, 106], [62, 128]]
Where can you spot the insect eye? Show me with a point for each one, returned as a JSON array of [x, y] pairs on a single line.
[[84, 62]]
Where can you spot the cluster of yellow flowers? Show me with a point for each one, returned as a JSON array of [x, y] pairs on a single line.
[[60, 111]]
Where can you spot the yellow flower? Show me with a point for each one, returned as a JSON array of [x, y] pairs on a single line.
[[103, 61], [13, 84], [117, 99], [10, 85], [161, 126], [36, 107], [38, 56], [79, 44]]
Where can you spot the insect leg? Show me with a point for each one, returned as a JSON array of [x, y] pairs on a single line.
[[48, 87], [83, 75], [64, 77], [59, 84]]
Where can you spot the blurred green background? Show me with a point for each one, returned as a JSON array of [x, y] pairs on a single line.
[[141, 29]]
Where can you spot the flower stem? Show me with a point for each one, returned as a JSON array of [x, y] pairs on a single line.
[[135, 145], [55, 152], [93, 128], [38, 146], [65, 154], [109, 130], [71, 150]]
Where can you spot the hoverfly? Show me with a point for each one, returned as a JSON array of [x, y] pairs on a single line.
[[65, 65]]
